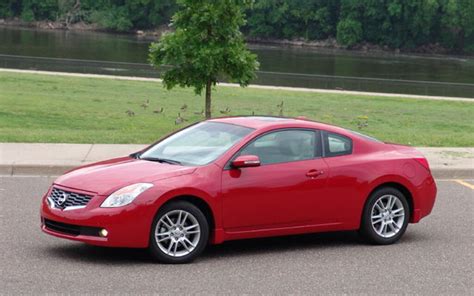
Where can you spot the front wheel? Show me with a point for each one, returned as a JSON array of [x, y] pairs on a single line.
[[385, 217], [179, 234]]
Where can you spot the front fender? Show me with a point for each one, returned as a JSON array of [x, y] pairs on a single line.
[[201, 184]]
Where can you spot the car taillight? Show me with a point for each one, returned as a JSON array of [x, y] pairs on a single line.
[[424, 162]]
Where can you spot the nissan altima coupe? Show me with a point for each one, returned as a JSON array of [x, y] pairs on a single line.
[[242, 177]]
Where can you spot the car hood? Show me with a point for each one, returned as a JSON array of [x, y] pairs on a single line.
[[105, 177]]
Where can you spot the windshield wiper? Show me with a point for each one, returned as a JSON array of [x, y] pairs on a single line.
[[135, 155], [161, 160]]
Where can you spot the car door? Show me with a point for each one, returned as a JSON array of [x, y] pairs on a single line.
[[287, 189], [345, 178]]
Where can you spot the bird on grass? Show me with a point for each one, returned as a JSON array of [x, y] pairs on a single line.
[[200, 113], [130, 113], [280, 108], [179, 119], [145, 104], [158, 111], [184, 108], [225, 111]]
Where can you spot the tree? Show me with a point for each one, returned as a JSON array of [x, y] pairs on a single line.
[[206, 45], [313, 19], [458, 24], [268, 18], [349, 32]]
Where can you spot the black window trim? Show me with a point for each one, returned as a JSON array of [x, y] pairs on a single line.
[[319, 145], [325, 141]]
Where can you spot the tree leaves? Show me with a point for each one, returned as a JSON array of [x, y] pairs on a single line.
[[206, 45]]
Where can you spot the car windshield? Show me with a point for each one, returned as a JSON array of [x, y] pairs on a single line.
[[199, 144]]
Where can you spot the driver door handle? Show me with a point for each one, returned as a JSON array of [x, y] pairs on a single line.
[[314, 173]]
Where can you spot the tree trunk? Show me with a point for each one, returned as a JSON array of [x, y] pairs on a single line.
[[208, 99]]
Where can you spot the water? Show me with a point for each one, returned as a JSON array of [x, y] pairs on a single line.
[[92, 52]]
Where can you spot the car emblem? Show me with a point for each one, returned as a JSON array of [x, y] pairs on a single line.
[[62, 198]]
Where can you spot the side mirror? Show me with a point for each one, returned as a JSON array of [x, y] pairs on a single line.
[[246, 161]]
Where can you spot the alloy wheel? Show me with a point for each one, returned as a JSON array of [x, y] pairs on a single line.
[[387, 216], [177, 233]]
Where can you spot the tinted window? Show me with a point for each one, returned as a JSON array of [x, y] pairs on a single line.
[[284, 146], [336, 144], [198, 144]]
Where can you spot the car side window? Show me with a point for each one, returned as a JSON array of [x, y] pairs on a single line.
[[336, 145], [284, 146]]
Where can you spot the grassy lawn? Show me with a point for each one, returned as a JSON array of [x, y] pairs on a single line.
[[42, 108]]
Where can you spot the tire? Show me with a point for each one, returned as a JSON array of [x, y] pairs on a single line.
[[176, 242], [375, 216]]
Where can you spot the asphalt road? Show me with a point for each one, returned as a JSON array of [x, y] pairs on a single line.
[[434, 257]]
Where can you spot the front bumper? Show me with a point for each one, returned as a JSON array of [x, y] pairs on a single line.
[[127, 226]]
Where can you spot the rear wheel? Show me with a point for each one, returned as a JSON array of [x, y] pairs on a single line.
[[385, 217], [179, 234]]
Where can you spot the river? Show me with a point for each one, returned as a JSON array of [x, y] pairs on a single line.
[[104, 53]]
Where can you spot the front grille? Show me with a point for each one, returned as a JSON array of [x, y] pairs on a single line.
[[63, 199], [70, 228]]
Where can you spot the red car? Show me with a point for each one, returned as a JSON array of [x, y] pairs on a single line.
[[242, 177]]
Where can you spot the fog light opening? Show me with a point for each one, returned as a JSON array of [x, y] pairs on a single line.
[[103, 232]]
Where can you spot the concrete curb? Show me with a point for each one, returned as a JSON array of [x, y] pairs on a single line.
[[56, 170], [52, 159], [39, 170], [440, 173]]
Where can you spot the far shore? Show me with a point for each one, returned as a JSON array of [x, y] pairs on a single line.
[[153, 34]]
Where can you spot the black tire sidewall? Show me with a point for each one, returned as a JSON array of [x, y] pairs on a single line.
[[367, 230], [203, 240]]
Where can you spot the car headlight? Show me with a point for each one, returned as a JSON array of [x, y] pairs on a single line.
[[125, 195]]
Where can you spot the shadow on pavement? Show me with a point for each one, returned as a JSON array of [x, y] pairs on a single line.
[[283, 244], [240, 248], [99, 255]]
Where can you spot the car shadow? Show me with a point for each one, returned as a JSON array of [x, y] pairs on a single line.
[[240, 248], [282, 244], [100, 255], [249, 247]]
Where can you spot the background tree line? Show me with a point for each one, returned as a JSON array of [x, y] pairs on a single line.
[[394, 23]]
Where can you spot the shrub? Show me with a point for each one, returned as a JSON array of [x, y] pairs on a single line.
[[115, 19], [349, 32], [27, 15]]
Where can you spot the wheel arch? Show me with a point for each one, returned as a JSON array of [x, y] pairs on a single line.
[[400, 187], [199, 202]]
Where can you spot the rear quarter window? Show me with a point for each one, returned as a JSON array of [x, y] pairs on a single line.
[[336, 144]]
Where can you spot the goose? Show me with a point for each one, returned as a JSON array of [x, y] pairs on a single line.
[[158, 111], [200, 113], [179, 119], [146, 104], [226, 111]]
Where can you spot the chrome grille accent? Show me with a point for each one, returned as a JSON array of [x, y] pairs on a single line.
[[64, 200]]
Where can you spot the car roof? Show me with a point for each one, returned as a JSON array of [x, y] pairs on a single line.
[[269, 122]]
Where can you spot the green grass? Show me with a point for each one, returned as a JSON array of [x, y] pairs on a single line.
[[43, 108]]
